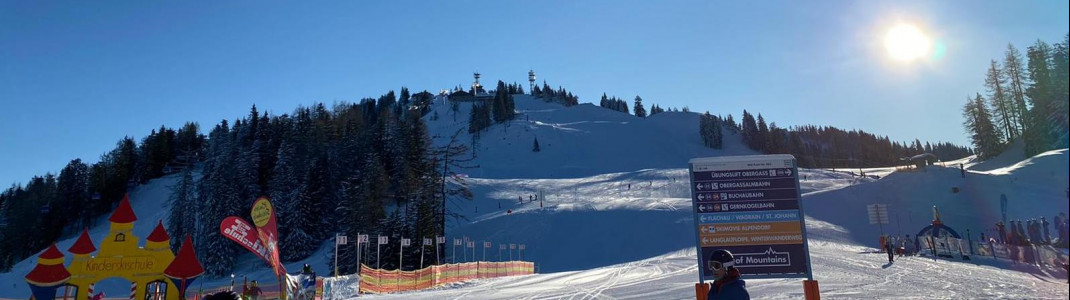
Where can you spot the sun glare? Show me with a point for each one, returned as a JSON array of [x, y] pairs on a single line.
[[906, 42]]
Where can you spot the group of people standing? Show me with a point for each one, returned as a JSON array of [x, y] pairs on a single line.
[[1033, 232], [898, 245]]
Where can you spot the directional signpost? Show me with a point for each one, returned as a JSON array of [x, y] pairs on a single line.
[[878, 214], [750, 206]]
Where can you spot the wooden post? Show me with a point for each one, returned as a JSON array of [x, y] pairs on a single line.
[[811, 290], [701, 291]]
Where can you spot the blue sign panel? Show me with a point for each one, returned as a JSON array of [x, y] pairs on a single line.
[[749, 205]]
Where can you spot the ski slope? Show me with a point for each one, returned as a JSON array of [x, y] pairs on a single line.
[[578, 141], [594, 239], [615, 220]]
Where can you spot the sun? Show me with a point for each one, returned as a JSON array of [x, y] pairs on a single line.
[[905, 42]]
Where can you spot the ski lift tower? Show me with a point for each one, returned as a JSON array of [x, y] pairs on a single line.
[[531, 81], [476, 87]]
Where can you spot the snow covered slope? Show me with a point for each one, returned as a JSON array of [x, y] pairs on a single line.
[[578, 141], [615, 220], [594, 238]]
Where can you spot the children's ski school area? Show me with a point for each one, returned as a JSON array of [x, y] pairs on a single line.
[[156, 273], [1032, 244]]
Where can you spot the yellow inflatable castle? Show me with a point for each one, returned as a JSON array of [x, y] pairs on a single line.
[[155, 273]]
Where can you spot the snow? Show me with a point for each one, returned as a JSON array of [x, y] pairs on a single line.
[[1014, 153], [579, 141], [615, 220]]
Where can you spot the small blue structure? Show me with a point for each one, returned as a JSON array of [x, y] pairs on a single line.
[[936, 230]]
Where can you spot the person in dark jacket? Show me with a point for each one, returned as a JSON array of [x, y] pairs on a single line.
[[889, 247], [254, 291], [726, 284]]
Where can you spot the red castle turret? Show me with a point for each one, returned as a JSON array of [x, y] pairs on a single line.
[[84, 245], [159, 234], [48, 275], [124, 213], [158, 239], [185, 268], [49, 270]]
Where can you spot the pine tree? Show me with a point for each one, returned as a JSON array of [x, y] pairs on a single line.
[[536, 147], [1003, 111], [1060, 106], [181, 219], [750, 130], [762, 138], [982, 131], [639, 110], [73, 185], [1012, 67], [216, 194], [1041, 94]]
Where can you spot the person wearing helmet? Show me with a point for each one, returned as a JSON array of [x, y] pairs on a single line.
[[306, 284], [726, 284]]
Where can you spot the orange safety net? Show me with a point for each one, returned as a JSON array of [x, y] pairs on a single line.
[[392, 281]]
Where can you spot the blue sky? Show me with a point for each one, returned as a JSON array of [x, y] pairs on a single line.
[[77, 76]]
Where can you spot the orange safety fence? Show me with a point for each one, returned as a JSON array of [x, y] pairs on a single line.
[[392, 281]]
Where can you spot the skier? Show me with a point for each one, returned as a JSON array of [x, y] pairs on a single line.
[[1047, 233], [307, 284], [909, 245], [254, 291], [889, 246], [1034, 231], [1023, 239], [1002, 232], [726, 284], [1063, 230], [962, 170]]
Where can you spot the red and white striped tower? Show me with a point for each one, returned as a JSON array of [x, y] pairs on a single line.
[[133, 290], [90, 294]]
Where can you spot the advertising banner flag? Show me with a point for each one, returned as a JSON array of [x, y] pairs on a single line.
[[240, 231], [264, 218]]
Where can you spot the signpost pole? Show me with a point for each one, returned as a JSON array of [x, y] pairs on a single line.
[[358, 253]]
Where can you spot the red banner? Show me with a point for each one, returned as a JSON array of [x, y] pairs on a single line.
[[264, 217], [240, 231]]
